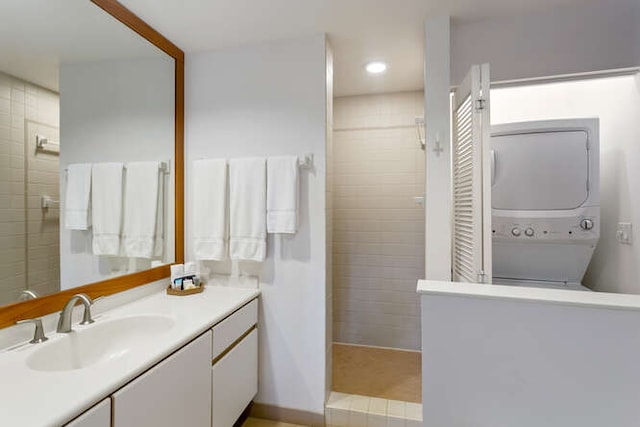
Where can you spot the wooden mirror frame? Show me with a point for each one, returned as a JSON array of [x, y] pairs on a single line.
[[47, 304]]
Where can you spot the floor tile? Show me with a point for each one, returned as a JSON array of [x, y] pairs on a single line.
[[339, 417], [359, 403], [377, 372], [357, 419], [339, 400], [396, 408], [395, 422], [378, 406], [375, 420], [413, 411]]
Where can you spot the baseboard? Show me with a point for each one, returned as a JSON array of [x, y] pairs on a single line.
[[287, 415], [243, 416]]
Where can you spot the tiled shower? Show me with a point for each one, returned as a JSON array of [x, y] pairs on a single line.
[[378, 180], [29, 234]]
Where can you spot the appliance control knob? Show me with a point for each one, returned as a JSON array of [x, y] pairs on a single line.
[[516, 231], [586, 224], [529, 232]]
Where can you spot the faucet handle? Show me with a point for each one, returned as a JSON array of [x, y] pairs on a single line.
[[38, 335]]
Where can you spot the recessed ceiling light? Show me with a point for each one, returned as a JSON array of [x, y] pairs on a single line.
[[376, 67]]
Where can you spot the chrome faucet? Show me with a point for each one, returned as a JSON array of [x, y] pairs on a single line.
[[64, 324], [27, 295]]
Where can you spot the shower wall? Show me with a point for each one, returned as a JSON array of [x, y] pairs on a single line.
[[378, 228], [29, 236]]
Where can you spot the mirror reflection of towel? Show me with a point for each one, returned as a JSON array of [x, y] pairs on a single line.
[[76, 213], [106, 207], [141, 200]]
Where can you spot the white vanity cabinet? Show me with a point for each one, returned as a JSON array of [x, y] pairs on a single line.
[[98, 416], [234, 374], [176, 392], [207, 383]]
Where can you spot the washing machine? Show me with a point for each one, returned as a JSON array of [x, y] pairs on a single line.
[[545, 198]]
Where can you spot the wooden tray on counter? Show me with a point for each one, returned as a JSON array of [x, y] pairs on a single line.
[[181, 293]]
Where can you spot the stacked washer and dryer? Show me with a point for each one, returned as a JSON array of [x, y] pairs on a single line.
[[545, 202]]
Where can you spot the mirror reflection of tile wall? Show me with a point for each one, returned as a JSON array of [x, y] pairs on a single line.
[[29, 235]]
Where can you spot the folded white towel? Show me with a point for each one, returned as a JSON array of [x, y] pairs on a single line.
[[247, 212], [210, 237], [106, 207], [140, 209], [77, 215], [282, 194]]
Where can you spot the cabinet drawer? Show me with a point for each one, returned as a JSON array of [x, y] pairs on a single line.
[[98, 416], [175, 392], [230, 329], [235, 381]]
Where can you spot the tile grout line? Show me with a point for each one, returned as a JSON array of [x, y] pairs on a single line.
[[347, 410]]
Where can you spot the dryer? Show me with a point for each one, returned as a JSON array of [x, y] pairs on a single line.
[[545, 201]]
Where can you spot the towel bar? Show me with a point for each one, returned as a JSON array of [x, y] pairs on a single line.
[[163, 167], [306, 162]]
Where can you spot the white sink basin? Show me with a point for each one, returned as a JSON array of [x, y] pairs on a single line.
[[98, 343]]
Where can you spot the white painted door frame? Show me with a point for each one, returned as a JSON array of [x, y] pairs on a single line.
[[437, 149]]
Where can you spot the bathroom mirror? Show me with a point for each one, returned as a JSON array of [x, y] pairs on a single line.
[[83, 82]]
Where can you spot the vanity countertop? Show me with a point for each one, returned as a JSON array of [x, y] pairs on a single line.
[[33, 398]]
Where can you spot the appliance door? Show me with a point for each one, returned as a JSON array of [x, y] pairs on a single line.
[[543, 261], [540, 170]]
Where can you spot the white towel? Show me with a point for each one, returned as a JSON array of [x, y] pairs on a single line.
[[247, 212], [210, 238], [140, 209], [282, 194], [106, 207], [77, 209]]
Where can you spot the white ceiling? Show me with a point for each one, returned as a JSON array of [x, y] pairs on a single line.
[[36, 36], [359, 30]]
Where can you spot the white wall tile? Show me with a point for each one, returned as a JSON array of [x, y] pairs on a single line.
[[22, 224], [378, 235]]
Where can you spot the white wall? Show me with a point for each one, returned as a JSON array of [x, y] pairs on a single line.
[[437, 116], [329, 229], [271, 100], [378, 250], [503, 362], [114, 111], [616, 101], [583, 37]]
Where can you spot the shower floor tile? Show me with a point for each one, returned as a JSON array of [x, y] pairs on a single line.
[[377, 372]]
